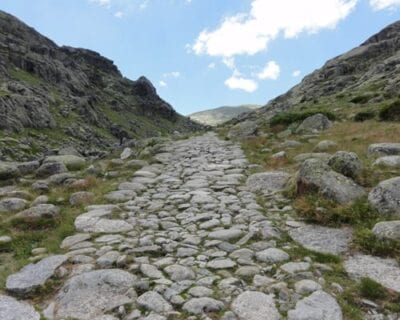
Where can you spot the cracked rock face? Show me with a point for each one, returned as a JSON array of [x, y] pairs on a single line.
[[12, 309], [93, 293]]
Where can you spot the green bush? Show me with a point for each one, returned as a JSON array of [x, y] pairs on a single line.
[[287, 118], [364, 115], [366, 241], [361, 99], [390, 112], [370, 289]]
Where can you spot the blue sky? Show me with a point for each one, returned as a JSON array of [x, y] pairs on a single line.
[[203, 54]]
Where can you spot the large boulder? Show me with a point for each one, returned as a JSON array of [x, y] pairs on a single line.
[[27, 167], [12, 204], [72, 162], [33, 276], [388, 161], [267, 182], [8, 171], [384, 149], [50, 168], [316, 175], [384, 271], [93, 294], [322, 239], [385, 197], [243, 130], [40, 211], [387, 230], [346, 163], [313, 124], [12, 309], [318, 306]]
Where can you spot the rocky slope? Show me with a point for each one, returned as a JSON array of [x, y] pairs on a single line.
[[214, 117], [365, 77], [52, 96]]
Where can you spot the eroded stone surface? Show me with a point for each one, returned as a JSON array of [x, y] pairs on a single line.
[[322, 239]]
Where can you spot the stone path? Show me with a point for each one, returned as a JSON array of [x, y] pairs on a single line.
[[183, 238]]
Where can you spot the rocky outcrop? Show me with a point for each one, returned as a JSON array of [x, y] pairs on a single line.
[[316, 176], [385, 197], [367, 73], [77, 93]]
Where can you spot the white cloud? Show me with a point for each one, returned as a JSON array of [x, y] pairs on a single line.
[[162, 83], [237, 82], [384, 4], [250, 33], [212, 65], [173, 74], [296, 73], [229, 62], [119, 14], [103, 3], [271, 71], [144, 5]]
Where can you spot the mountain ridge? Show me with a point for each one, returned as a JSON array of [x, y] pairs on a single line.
[[369, 70], [217, 116], [72, 96]]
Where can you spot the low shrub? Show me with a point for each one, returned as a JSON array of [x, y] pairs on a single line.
[[364, 115], [391, 112], [287, 118], [361, 99], [370, 289]]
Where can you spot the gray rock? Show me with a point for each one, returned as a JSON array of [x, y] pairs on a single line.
[[305, 156], [385, 197], [12, 309], [295, 267], [82, 197], [50, 168], [384, 149], [40, 211], [202, 305], [120, 196], [313, 124], [72, 162], [272, 255], [153, 301], [307, 286], [73, 240], [8, 171], [279, 155], [225, 234], [93, 293], [322, 239], [27, 167], [151, 271], [251, 305], [267, 182], [387, 230], [325, 145], [346, 163], [179, 273], [245, 129], [318, 306], [290, 144], [97, 221], [388, 161], [126, 153], [384, 271], [315, 175], [221, 264], [12, 205], [33, 276]]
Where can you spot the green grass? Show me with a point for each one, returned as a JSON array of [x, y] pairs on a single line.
[[370, 289], [4, 92], [390, 112], [21, 75], [364, 116], [287, 118]]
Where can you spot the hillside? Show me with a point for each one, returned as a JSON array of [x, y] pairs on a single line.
[[53, 96], [214, 117], [362, 79]]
